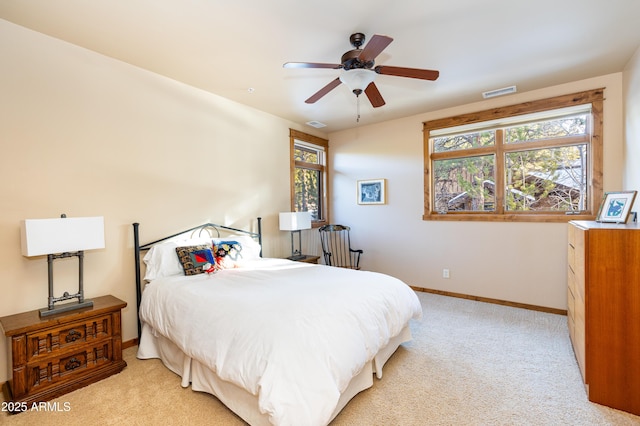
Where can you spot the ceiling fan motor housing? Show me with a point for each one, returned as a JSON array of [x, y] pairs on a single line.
[[350, 60]]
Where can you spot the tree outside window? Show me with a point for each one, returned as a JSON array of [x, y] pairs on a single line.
[[308, 175], [537, 161]]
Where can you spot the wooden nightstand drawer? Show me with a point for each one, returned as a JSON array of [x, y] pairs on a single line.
[[59, 339], [51, 371]]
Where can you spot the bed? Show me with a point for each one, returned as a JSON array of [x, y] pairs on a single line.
[[278, 342]]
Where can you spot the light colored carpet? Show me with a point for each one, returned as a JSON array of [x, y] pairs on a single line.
[[470, 363]]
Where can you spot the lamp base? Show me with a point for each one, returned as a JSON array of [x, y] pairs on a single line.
[[297, 257], [45, 312]]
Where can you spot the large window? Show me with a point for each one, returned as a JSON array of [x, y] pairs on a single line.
[[309, 175], [539, 161]]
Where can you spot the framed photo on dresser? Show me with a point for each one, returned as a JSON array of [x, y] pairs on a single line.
[[615, 207]]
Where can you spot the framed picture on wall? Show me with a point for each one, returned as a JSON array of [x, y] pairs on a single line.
[[372, 191], [616, 206]]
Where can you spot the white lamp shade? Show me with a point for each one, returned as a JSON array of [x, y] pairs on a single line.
[[61, 235], [294, 221], [357, 79]]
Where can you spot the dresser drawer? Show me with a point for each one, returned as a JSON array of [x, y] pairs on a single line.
[[571, 257], [571, 301], [579, 263], [49, 372], [58, 340], [570, 315], [579, 339], [571, 248]]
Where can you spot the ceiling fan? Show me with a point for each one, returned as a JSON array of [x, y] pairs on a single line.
[[359, 72]]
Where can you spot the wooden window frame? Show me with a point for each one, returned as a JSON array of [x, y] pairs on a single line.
[[295, 135], [595, 146]]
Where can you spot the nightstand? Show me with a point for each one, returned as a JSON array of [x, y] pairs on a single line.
[[51, 356], [307, 259]]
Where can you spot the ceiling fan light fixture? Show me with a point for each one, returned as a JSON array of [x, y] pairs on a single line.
[[357, 79]]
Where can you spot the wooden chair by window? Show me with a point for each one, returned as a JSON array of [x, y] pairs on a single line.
[[336, 247]]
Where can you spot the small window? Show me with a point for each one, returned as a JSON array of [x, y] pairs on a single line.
[[536, 161], [309, 175]]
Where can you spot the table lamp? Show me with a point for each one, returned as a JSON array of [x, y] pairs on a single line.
[[59, 238], [295, 222]]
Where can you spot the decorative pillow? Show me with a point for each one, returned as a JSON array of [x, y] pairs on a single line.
[[195, 259], [227, 253], [249, 249]]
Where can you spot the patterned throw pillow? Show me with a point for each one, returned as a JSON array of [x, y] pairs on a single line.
[[194, 258], [227, 253]]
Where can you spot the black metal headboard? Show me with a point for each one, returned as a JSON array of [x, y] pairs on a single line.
[[207, 226]]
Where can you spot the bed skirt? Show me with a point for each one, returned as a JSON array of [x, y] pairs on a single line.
[[238, 400]]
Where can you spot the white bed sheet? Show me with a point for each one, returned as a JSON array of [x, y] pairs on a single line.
[[293, 335]]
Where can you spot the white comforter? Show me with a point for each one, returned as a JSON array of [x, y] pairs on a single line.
[[266, 326]]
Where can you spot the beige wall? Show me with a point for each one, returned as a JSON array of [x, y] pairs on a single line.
[[632, 125], [86, 135], [518, 262]]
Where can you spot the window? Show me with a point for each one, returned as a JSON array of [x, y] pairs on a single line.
[[538, 161], [309, 175]]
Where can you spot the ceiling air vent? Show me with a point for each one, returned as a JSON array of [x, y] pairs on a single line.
[[499, 92], [315, 124]]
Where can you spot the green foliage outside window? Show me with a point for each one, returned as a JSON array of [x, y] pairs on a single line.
[[307, 191], [544, 164], [308, 181]]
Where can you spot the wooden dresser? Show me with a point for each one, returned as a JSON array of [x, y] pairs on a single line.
[[603, 298], [51, 356]]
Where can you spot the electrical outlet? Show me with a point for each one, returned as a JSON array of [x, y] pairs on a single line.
[[445, 273]]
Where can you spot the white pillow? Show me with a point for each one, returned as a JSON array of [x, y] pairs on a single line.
[[162, 260]]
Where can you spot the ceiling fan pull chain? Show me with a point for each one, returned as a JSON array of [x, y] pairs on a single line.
[[358, 108]]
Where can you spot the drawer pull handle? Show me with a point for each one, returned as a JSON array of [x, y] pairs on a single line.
[[73, 336], [72, 364]]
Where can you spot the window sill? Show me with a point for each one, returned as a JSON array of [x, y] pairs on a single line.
[[483, 217]]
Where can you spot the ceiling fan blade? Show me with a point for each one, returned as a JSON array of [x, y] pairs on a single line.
[[408, 72], [326, 89], [374, 95], [375, 46], [311, 65]]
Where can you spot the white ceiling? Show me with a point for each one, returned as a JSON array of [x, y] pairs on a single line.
[[227, 47]]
